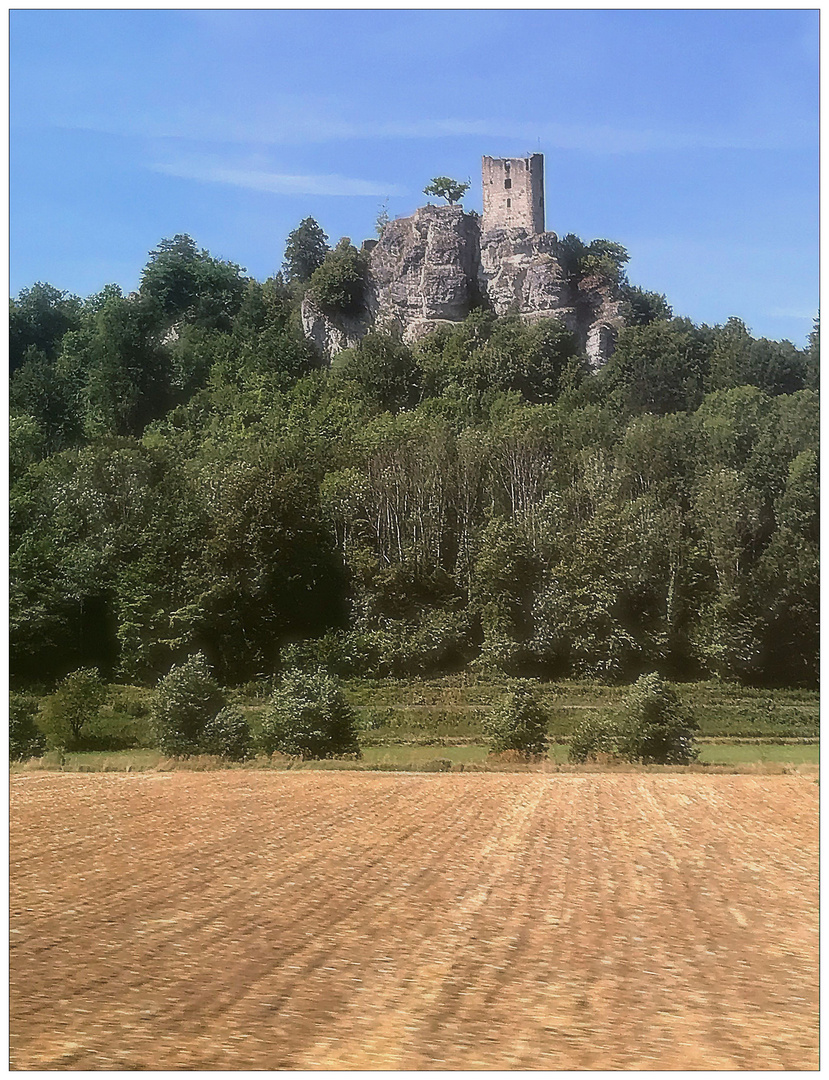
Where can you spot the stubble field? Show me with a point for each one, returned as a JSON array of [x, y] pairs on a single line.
[[313, 920]]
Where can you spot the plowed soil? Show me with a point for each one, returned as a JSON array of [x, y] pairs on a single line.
[[311, 920]]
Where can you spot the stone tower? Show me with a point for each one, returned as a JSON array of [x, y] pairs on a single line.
[[513, 193]]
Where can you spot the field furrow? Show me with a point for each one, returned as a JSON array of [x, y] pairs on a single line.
[[312, 920]]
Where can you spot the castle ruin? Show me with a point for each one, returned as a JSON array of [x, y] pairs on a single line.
[[513, 193], [436, 266]]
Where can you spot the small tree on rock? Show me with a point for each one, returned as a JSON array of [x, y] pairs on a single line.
[[443, 187], [520, 723], [309, 717], [186, 700]]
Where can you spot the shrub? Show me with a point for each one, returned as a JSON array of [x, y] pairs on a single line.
[[594, 737], [186, 699], [520, 722], [26, 740], [77, 701], [227, 735], [656, 728], [309, 717]]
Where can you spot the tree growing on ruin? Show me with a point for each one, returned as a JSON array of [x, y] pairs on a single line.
[[443, 187]]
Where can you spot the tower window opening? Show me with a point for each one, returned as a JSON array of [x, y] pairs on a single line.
[[509, 203], [508, 183]]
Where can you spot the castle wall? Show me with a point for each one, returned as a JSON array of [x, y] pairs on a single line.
[[513, 190]]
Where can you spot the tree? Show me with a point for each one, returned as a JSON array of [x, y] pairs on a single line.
[[39, 389], [186, 700], [656, 728], [39, 317], [384, 370], [660, 367], [305, 251], [25, 737], [77, 700], [191, 285], [813, 356], [339, 283], [605, 258], [529, 359], [309, 717], [128, 375], [640, 307], [382, 219], [227, 735], [594, 737], [443, 187], [520, 723]]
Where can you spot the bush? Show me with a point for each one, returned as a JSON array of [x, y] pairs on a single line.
[[656, 728], [520, 723], [26, 740], [309, 717], [227, 735], [77, 701], [186, 700], [594, 738]]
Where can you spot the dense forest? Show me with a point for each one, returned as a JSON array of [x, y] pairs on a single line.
[[187, 475]]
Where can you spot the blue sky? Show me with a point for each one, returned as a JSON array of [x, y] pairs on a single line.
[[691, 137]]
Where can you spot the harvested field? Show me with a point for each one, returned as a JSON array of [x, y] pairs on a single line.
[[313, 920]]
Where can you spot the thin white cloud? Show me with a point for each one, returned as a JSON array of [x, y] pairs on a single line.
[[297, 125], [276, 183]]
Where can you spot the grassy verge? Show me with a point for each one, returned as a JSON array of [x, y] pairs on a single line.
[[431, 758]]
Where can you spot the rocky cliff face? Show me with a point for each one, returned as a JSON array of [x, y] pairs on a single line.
[[435, 267]]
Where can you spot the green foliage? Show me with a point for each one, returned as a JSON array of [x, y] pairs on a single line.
[[641, 308], [602, 258], [309, 717], [595, 737], [383, 369], [659, 367], [26, 740], [606, 259], [520, 723], [185, 475], [186, 700], [47, 397], [443, 187], [339, 283], [382, 219], [305, 251], [192, 285], [227, 735], [655, 727], [531, 360], [38, 319], [74, 704]]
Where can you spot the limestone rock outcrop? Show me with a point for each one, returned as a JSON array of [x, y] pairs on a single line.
[[435, 267], [331, 333], [425, 271]]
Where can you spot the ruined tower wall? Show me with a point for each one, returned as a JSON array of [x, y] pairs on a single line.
[[513, 190]]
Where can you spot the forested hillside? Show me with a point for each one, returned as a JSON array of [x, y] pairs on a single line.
[[187, 475]]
